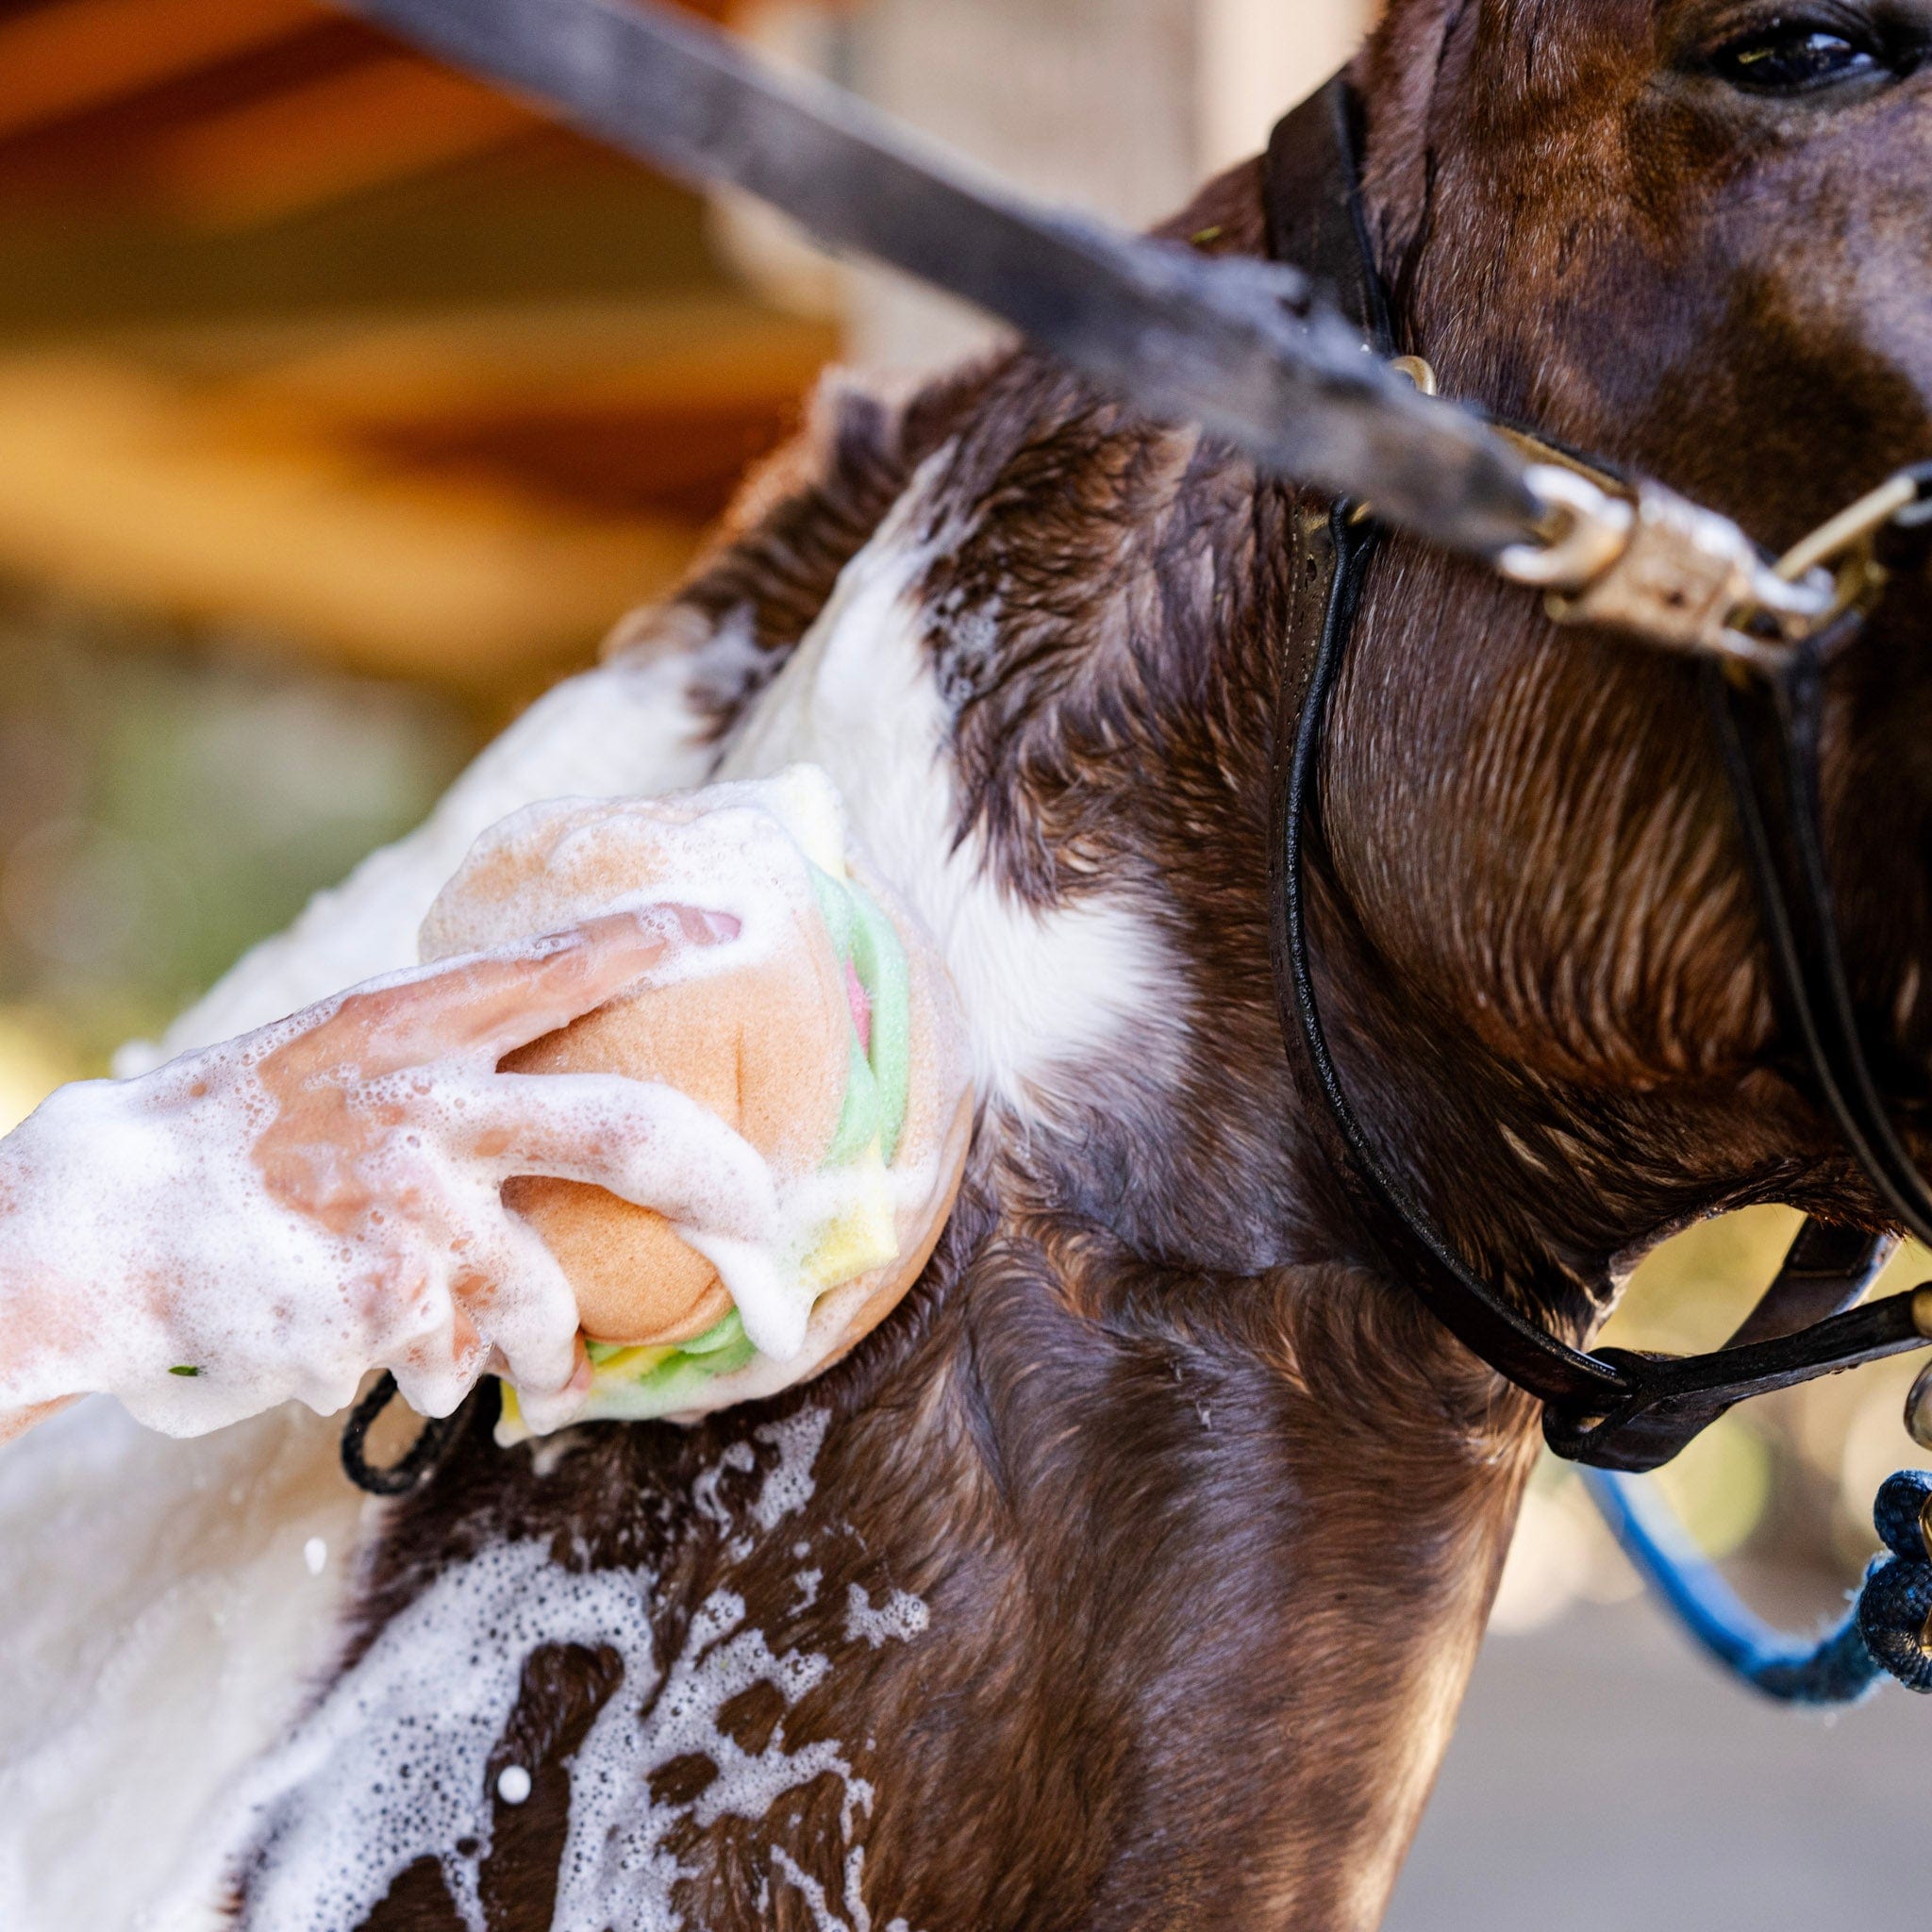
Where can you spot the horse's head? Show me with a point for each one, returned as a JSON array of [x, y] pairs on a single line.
[[1689, 232], [1691, 236]]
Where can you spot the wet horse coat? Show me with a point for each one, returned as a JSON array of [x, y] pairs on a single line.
[[1045, 1539], [1131, 1574]]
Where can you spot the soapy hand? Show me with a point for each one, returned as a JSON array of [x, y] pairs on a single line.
[[827, 1034], [275, 1216]]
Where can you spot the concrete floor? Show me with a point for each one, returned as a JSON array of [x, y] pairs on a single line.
[[1605, 1778]]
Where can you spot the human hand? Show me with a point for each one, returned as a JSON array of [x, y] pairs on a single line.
[[277, 1215]]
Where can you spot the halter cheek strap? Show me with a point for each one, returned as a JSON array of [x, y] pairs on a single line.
[[1613, 1408]]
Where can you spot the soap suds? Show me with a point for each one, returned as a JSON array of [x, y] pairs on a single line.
[[823, 1918], [740, 1458], [393, 1765], [547, 1452], [196, 1319], [396, 1762], [789, 1485], [902, 1615], [626, 729]]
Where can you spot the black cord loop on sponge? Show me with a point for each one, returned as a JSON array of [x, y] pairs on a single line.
[[419, 1462]]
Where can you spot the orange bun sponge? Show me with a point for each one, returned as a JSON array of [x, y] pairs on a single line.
[[826, 1034]]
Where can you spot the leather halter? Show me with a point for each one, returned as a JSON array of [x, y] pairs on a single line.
[[1614, 1408]]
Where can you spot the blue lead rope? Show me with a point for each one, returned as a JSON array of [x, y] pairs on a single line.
[[1884, 1631]]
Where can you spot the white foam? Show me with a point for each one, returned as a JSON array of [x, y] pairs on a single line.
[[823, 1917], [789, 1484], [901, 1616], [207, 1294], [393, 1766], [396, 1762]]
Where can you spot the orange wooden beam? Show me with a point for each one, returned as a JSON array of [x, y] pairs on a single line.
[[377, 122], [64, 60], [124, 489]]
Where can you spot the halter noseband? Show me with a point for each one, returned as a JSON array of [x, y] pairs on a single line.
[[1613, 1408]]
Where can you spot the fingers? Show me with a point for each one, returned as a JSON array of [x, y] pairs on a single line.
[[486, 1005], [529, 1313], [648, 1143], [545, 1410], [510, 1311]]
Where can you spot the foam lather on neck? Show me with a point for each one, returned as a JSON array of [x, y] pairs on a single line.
[[826, 1034]]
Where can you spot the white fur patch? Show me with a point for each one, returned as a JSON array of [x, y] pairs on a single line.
[[1041, 993]]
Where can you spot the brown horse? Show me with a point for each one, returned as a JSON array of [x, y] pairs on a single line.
[[1130, 1575]]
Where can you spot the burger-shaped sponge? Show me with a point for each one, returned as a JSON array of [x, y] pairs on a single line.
[[824, 1032]]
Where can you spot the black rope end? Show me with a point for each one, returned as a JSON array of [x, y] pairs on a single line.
[[420, 1461]]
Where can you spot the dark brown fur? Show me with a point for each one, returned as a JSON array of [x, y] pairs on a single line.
[[1206, 1511]]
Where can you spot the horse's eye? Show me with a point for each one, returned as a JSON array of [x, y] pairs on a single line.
[[1788, 58]]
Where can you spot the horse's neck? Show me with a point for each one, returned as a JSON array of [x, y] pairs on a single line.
[[1215, 1555], [1146, 1549], [1181, 1517], [1032, 1615]]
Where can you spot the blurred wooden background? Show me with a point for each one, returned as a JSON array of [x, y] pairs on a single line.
[[303, 332], [346, 403]]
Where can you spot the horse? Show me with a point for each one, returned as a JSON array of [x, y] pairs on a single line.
[[1132, 1573]]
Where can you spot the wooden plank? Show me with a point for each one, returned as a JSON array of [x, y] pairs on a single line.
[[344, 134], [117, 489], [64, 60], [691, 353]]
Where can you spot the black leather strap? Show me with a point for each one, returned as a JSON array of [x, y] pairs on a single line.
[[1455, 1294], [434, 1444], [1827, 1269], [1615, 1408], [1314, 221], [1313, 214], [1768, 732]]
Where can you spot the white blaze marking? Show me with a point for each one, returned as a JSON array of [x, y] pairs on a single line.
[[1043, 991]]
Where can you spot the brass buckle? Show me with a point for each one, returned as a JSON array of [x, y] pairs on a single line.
[[1684, 577], [1665, 570], [1844, 546]]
